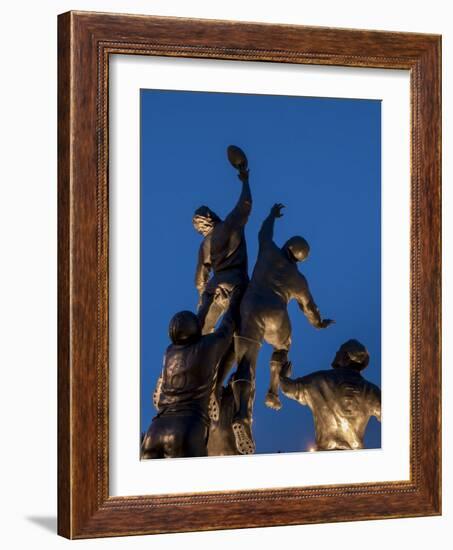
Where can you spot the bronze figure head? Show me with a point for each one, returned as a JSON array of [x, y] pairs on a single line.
[[204, 220], [297, 249], [184, 328], [352, 354]]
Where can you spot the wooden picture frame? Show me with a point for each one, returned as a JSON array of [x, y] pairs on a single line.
[[85, 42]]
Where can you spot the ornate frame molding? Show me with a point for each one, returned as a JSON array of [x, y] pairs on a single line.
[[86, 40]]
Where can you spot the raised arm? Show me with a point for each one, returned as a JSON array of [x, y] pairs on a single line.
[[266, 233], [221, 337], [203, 266], [239, 216], [306, 303]]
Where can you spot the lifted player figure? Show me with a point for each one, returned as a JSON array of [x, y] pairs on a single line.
[[222, 266], [264, 316]]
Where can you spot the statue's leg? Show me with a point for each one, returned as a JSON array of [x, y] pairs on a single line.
[[280, 339], [278, 359], [225, 366], [242, 421], [151, 445], [209, 312], [186, 437], [243, 386], [227, 361], [221, 441], [197, 442]]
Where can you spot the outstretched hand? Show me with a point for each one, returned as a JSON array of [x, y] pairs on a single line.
[[326, 323], [276, 210], [222, 297]]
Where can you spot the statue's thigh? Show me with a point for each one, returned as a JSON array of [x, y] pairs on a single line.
[[278, 329], [192, 438], [207, 299], [214, 314], [182, 436], [152, 443], [252, 325]]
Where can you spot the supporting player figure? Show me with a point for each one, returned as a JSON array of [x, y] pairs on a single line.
[[341, 400]]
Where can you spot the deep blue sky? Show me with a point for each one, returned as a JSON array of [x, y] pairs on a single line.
[[321, 157]]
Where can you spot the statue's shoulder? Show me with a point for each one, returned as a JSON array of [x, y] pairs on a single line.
[[372, 388], [314, 377], [323, 374]]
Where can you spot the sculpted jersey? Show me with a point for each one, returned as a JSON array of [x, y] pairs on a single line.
[[224, 250], [275, 274], [228, 253], [342, 402], [189, 373], [275, 281]]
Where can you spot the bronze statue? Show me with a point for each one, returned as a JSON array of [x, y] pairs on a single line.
[[180, 428], [341, 400], [275, 281], [221, 439], [222, 262]]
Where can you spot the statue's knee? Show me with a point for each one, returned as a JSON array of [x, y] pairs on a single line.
[[279, 356], [245, 347], [243, 372]]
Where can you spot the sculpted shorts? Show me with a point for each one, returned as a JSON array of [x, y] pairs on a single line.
[[265, 317], [175, 436]]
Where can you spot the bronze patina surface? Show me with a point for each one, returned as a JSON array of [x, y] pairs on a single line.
[[341, 400]]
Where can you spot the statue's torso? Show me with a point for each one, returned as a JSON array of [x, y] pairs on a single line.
[[274, 276], [228, 255], [342, 402], [187, 379]]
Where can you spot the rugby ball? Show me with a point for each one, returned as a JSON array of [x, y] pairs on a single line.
[[237, 157]]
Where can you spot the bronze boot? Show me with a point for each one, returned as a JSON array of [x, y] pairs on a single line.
[[272, 399], [242, 420]]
